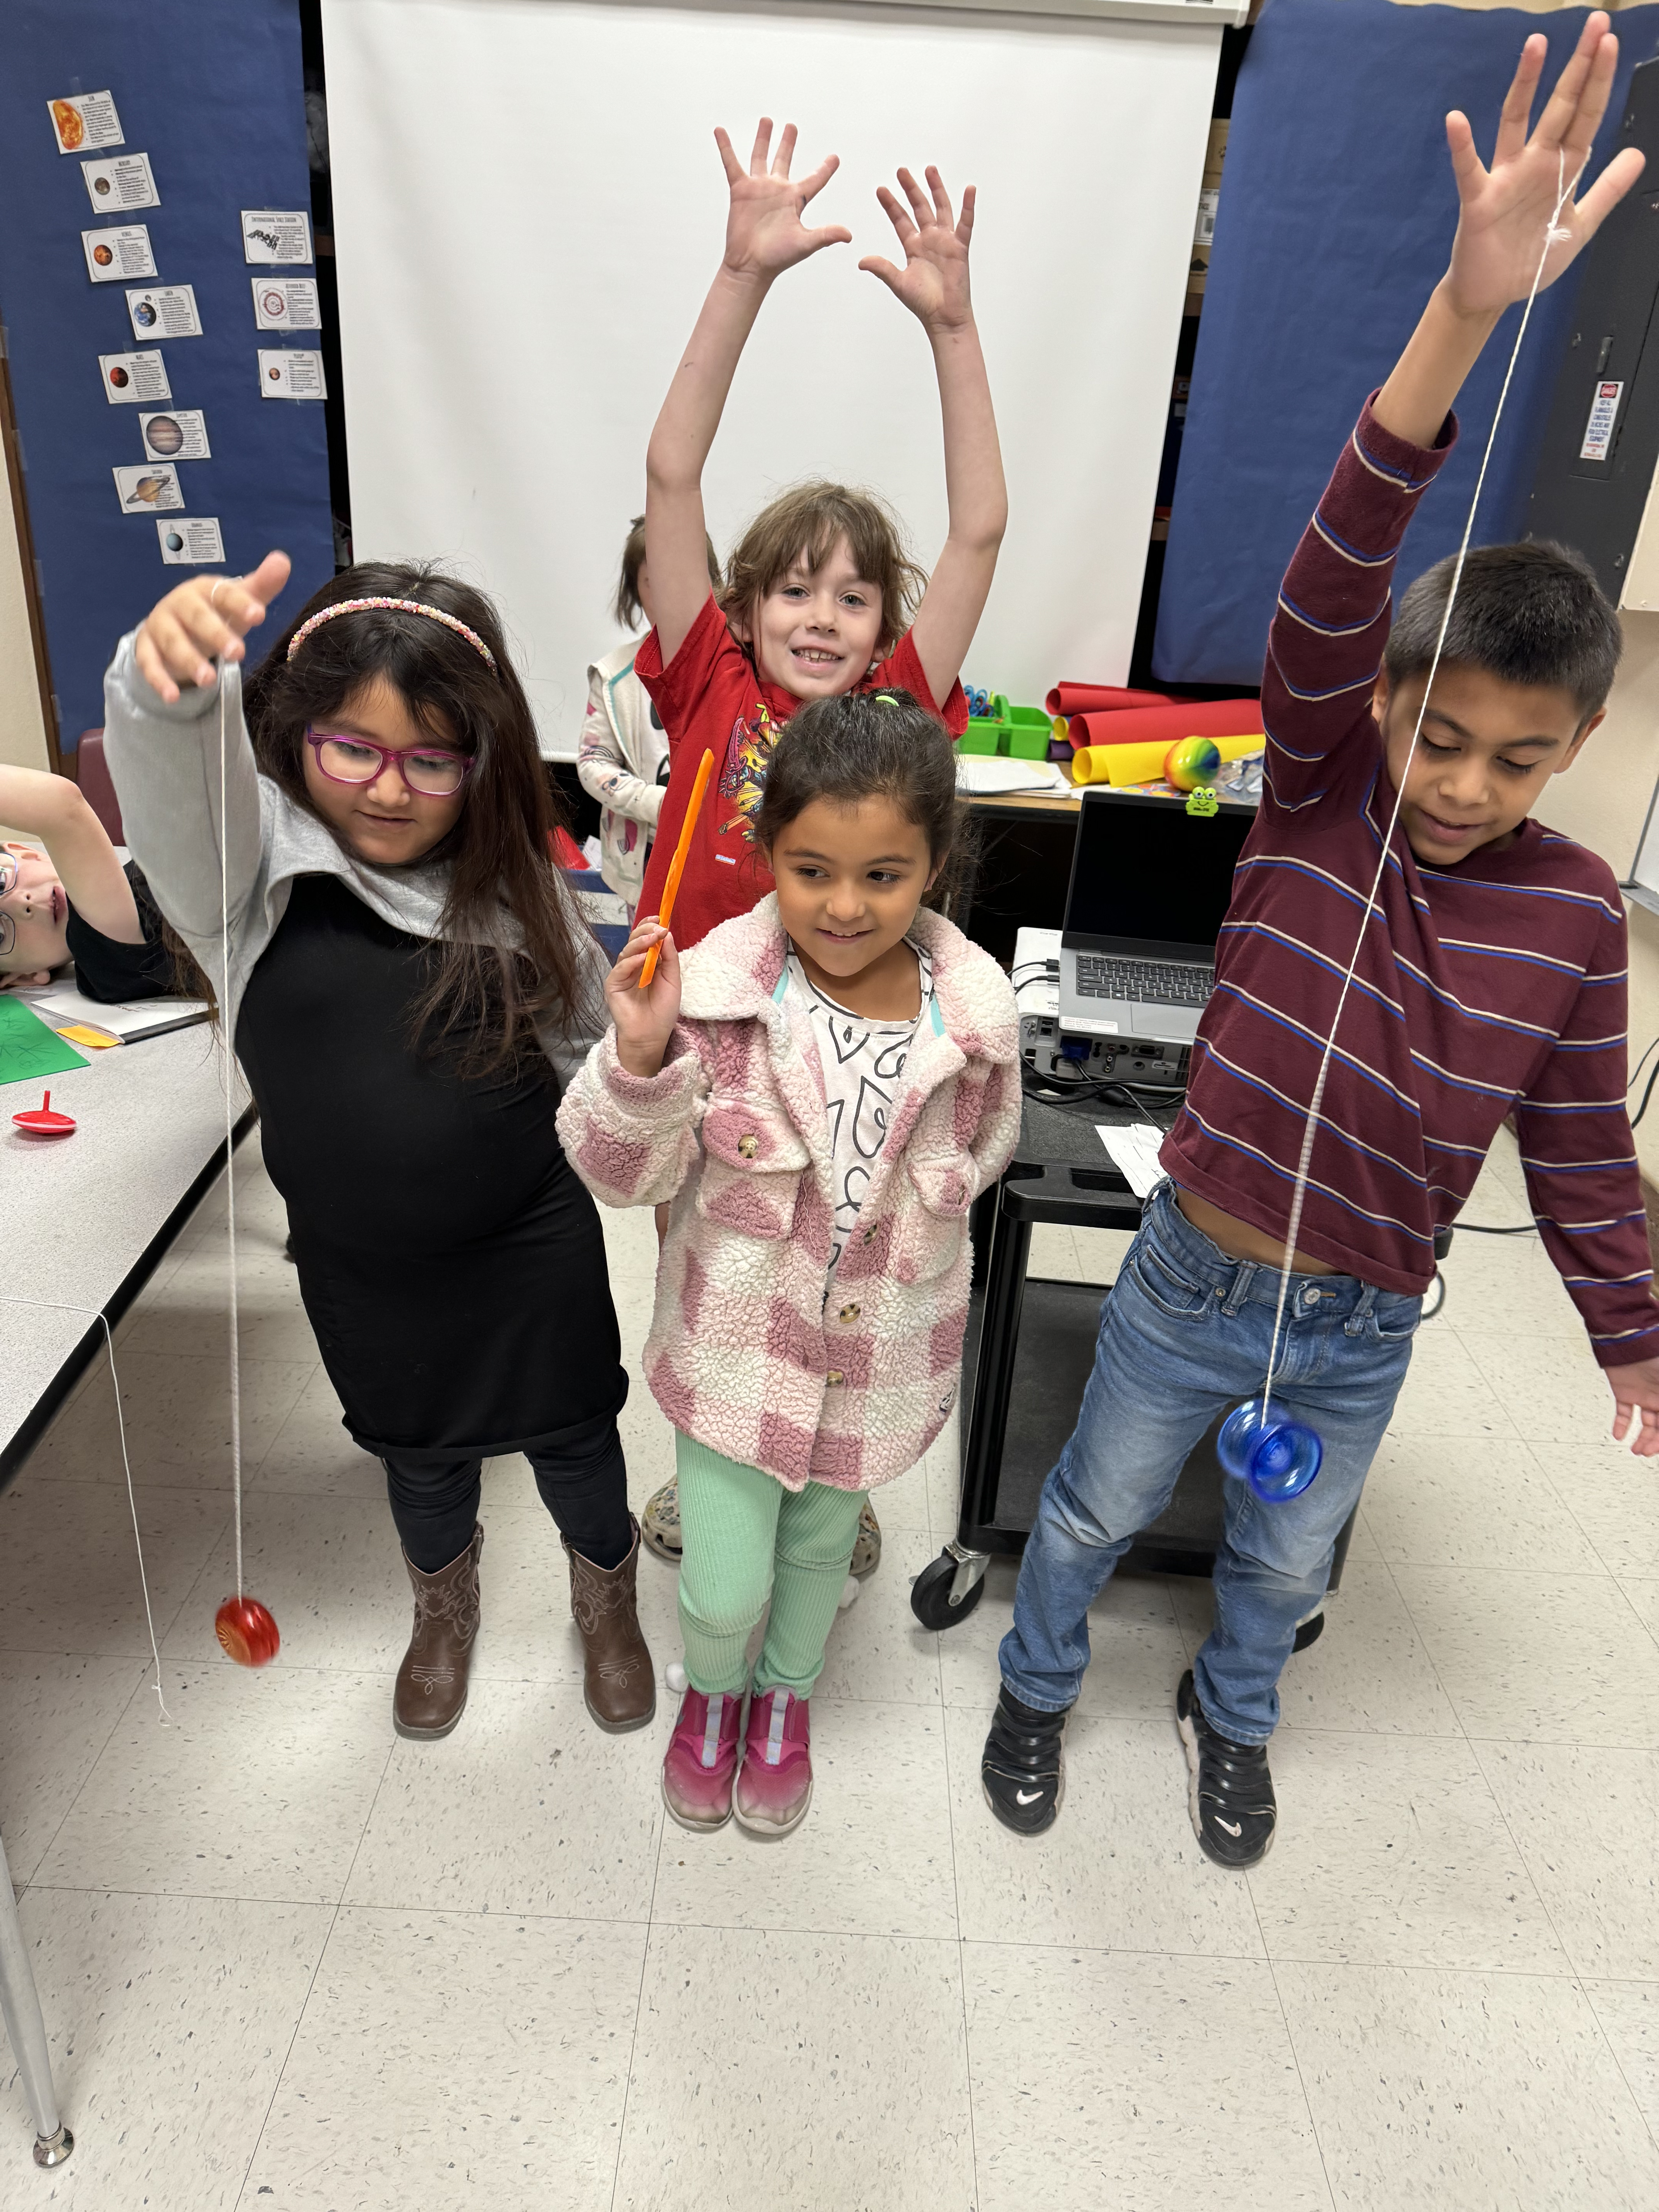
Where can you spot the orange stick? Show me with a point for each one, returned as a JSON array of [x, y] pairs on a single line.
[[676, 865]]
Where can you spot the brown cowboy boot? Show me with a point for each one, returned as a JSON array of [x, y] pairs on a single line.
[[618, 1684], [431, 1692]]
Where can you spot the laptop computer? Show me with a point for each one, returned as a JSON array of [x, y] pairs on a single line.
[[1151, 885]]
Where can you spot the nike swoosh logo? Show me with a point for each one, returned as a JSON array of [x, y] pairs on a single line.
[[1233, 1827], [1026, 1797]]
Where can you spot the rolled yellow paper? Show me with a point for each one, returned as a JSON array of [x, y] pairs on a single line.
[[1120, 764]]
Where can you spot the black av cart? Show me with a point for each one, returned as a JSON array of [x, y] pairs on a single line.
[[1030, 1345]]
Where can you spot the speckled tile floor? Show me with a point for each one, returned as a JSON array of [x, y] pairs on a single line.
[[290, 1962]]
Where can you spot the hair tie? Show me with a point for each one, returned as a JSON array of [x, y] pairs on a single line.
[[884, 699], [397, 607]]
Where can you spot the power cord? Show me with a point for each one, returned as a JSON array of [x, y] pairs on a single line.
[[1135, 1097]]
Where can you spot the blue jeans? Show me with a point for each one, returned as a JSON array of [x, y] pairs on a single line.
[[1185, 1331]]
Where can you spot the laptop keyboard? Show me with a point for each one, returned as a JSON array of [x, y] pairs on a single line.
[[1156, 982]]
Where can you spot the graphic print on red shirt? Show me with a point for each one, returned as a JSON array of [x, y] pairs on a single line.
[[711, 697]]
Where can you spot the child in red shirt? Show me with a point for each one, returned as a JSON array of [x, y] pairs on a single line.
[[818, 592]]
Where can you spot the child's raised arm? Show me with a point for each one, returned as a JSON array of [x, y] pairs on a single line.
[[51, 808], [1504, 213], [933, 285], [765, 235]]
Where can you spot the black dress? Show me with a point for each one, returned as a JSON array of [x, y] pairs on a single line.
[[452, 1264]]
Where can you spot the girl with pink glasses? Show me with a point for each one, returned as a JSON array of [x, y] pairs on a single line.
[[407, 978]]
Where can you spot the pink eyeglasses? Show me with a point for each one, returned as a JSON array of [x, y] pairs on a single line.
[[428, 771]]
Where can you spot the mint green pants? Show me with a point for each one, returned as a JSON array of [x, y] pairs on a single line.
[[745, 1536]]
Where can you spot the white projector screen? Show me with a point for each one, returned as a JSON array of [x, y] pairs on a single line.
[[528, 209]]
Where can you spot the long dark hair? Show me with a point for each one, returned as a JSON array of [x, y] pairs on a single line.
[[869, 744], [499, 852]]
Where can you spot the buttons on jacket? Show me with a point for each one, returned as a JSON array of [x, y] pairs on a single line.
[[848, 1313], [835, 1375], [749, 1145]]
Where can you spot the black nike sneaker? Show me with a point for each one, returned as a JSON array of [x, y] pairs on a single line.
[[1231, 1793], [1022, 1770]]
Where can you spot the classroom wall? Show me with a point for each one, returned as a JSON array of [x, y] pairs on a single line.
[[528, 207], [23, 728], [1601, 800]]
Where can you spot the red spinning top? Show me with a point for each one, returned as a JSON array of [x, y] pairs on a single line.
[[41, 1122], [247, 1631]]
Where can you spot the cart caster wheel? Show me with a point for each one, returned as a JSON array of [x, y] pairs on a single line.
[[1309, 1633], [930, 1594]]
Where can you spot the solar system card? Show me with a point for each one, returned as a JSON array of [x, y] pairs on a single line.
[[191, 539], [180, 436], [149, 489]]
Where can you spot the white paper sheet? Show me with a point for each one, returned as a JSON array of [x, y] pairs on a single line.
[[124, 180], [1134, 1146], [186, 541], [988, 772], [151, 489], [121, 251], [275, 235], [164, 311], [134, 378], [82, 121], [178, 436], [286, 303], [140, 1018], [285, 375]]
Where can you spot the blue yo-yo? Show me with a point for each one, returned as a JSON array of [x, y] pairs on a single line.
[[1278, 1462]]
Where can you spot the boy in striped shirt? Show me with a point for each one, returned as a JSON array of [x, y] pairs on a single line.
[[1492, 981]]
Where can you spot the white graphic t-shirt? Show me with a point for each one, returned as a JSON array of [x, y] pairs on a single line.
[[863, 1062]]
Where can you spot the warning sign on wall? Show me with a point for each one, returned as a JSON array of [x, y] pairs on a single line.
[[1598, 431]]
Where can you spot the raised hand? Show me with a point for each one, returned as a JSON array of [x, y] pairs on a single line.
[[645, 1019], [933, 282], [765, 232], [1506, 211], [203, 619]]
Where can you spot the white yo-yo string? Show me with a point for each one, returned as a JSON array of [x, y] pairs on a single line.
[[1554, 234], [227, 1021], [95, 1312]]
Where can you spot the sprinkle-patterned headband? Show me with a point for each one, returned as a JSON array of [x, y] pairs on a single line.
[[398, 606]]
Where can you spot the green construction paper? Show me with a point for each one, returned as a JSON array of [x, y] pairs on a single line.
[[28, 1047]]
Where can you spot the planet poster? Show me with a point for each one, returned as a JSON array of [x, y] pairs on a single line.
[[150, 489], [285, 375], [192, 541], [83, 121], [178, 436], [166, 311], [114, 254], [125, 181], [134, 378]]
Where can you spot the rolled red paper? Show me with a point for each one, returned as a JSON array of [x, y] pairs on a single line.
[[1099, 699], [1185, 718]]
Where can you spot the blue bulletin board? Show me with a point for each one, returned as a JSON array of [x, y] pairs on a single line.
[[1335, 219], [213, 96]]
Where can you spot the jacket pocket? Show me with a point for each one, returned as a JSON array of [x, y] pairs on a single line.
[[753, 1156], [931, 1226]]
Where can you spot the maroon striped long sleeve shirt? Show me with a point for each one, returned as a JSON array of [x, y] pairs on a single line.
[[1493, 986]]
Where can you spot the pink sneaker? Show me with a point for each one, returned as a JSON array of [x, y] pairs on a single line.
[[775, 1784], [701, 1760]]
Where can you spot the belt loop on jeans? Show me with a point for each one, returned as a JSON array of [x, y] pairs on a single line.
[[1356, 1321], [1243, 1275]]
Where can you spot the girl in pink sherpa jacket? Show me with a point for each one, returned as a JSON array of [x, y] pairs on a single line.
[[822, 1086]]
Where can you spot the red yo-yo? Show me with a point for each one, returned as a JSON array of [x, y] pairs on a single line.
[[247, 1631], [41, 1122]]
